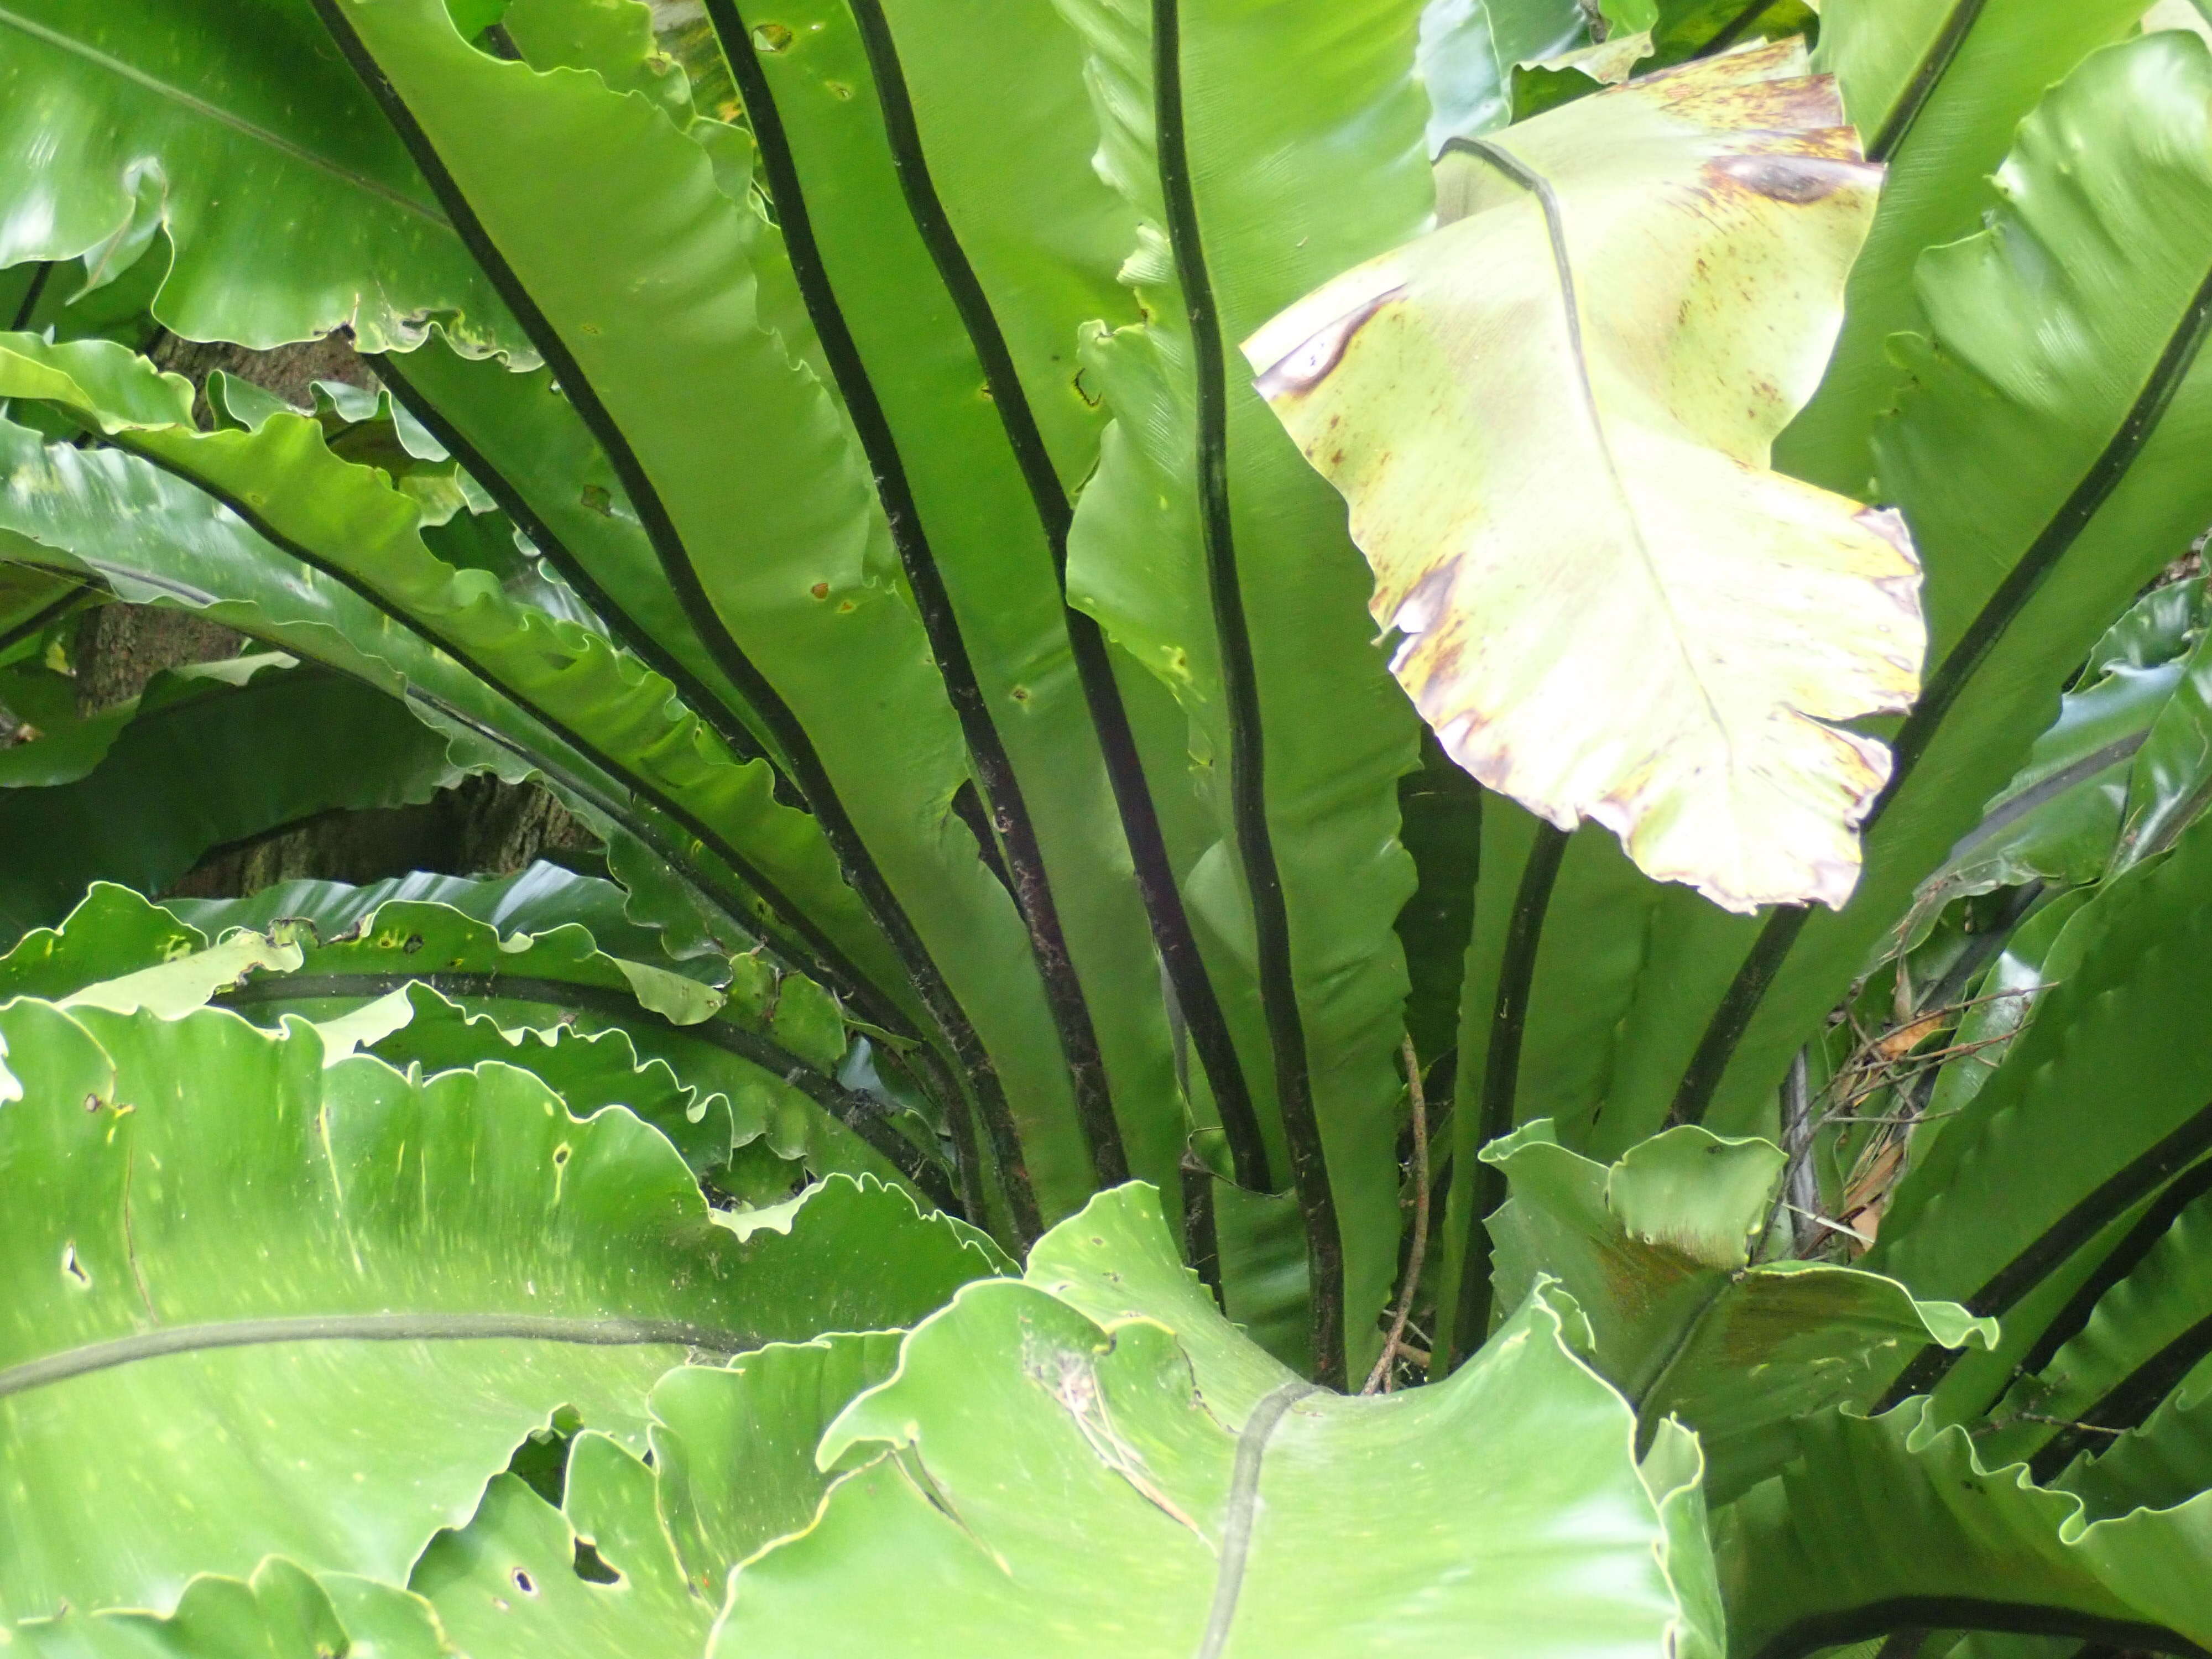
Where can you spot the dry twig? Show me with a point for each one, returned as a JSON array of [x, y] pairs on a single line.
[[1380, 1376]]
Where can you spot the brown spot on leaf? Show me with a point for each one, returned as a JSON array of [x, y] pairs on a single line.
[[1426, 602], [1887, 523], [1305, 366], [1797, 180]]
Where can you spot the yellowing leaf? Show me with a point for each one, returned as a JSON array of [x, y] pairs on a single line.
[[1552, 418]]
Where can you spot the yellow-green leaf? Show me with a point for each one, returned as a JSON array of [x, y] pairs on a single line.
[[1552, 418]]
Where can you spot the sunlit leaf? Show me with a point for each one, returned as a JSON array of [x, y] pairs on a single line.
[[265, 1306], [1552, 419], [1062, 1468]]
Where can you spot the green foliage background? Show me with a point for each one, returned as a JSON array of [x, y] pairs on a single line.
[[932, 1176]]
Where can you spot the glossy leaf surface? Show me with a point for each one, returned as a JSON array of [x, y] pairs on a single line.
[[1469, 49], [1657, 1252], [2081, 1122], [757, 1064], [1106, 1486], [555, 685], [196, 124], [1218, 561], [1876, 1513], [279, 1612], [1937, 89], [2044, 461], [237, 1248]]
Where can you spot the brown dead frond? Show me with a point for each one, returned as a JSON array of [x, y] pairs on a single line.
[[1892, 1060]]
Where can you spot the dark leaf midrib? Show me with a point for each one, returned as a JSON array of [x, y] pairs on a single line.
[[997, 782], [710, 707], [862, 1116], [1847, 1627], [2075, 515], [820, 949], [1927, 76], [369, 1328], [1243, 1510], [2111, 1199], [2124, 1259], [1983, 943], [27, 306], [1501, 1074], [860, 869], [40, 619], [737, 906], [1733, 30], [1172, 933], [238, 123], [1732, 1017], [1247, 789], [2129, 1403], [2006, 813]]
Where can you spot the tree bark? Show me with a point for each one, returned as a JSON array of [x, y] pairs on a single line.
[[120, 647], [483, 827], [480, 827]]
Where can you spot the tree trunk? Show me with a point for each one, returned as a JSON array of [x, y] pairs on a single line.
[[483, 827]]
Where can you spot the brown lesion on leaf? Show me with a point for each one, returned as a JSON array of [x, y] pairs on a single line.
[[1799, 180], [1305, 366], [1889, 523], [1425, 606], [1641, 1274], [1761, 95], [1070, 1378]]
